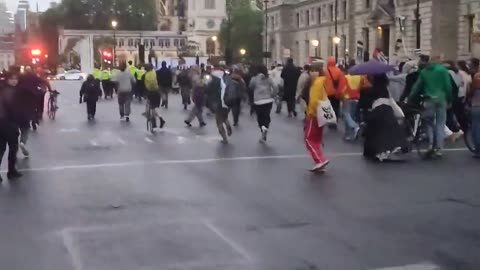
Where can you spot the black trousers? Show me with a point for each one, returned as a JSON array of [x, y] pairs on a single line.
[[335, 105], [263, 114], [290, 104], [458, 108], [236, 109], [40, 105], [9, 136], [91, 107], [107, 88]]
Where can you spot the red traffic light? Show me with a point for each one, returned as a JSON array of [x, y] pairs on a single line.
[[36, 52], [107, 54]]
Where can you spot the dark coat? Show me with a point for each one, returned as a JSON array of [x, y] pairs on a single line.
[[26, 98], [290, 75], [164, 77], [90, 91], [214, 93]]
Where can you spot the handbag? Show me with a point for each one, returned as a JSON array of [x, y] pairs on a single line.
[[325, 113]]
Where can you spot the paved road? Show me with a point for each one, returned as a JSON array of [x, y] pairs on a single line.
[[109, 196]]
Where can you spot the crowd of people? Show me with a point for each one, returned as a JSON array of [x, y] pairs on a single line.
[[369, 103]]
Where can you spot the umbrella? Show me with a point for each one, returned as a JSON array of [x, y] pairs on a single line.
[[371, 67]]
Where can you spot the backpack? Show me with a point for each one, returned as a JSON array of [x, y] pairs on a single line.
[[232, 91]]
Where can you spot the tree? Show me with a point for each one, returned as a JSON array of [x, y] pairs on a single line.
[[95, 15], [246, 26]]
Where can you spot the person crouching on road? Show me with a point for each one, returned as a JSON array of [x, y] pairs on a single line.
[[264, 91], [313, 132], [124, 81], [8, 125], [89, 93], [198, 97]]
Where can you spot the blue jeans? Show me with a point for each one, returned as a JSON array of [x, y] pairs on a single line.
[[476, 127], [349, 111], [437, 113]]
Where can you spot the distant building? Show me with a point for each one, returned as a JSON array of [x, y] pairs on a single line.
[[7, 55], [7, 25], [53, 4]]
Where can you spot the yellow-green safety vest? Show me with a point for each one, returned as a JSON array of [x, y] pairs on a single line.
[[106, 75], [139, 74], [97, 74], [132, 70]]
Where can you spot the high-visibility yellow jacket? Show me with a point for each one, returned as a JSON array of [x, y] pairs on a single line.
[[132, 70], [97, 73], [106, 75], [139, 74]]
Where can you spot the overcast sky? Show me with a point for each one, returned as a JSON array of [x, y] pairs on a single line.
[[42, 4]]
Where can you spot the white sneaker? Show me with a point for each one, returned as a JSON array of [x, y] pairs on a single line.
[[122, 118], [264, 133], [320, 166], [24, 150]]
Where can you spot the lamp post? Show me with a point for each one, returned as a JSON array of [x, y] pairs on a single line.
[[315, 44], [266, 30], [418, 23], [114, 26], [336, 39]]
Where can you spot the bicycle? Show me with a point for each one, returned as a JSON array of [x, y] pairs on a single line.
[[418, 128], [52, 104]]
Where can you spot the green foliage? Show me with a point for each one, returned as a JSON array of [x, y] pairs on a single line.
[[245, 31]]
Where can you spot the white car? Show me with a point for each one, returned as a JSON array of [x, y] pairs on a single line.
[[72, 75]]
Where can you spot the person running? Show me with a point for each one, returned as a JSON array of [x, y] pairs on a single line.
[[336, 84], [165, 79], [185, 84], [435, 84], [124, 81], [152, 92], [290, 75], [235, 83], [9, 125], [350, 106], [89, 93], [303, 87], [313, 132], [264, 91], [215, 90], [473, 97], [198, 97]]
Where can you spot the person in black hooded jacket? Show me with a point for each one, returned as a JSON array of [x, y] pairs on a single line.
[[290, 75], [89, 93]]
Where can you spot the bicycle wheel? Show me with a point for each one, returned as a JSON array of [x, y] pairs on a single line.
[[421, 140], [467, 137], [51, 110]]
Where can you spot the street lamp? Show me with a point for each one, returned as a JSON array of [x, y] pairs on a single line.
[[214, 38], [315, 44], [266, 30], [114, 26], [243, 52], [336, 39]]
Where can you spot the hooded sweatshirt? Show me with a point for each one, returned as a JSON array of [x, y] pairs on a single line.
[[264, 89], [334, 73], [434, 82]]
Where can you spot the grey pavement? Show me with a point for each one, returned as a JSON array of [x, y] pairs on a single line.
[[109, 196]]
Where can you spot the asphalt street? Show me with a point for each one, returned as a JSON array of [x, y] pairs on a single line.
[[109, 196]]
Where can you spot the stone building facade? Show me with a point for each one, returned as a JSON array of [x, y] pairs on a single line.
[[365, 25]]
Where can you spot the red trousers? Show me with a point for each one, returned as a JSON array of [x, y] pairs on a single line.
[[314, 139]]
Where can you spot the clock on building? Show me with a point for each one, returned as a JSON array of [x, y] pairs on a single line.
[[210, 23]]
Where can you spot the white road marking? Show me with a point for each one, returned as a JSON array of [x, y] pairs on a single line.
[[229, 241], [190, 161], [121, 141], [181, 140], [72, 250], [419, 266], [69, 130], [148, 140], [94, 143]]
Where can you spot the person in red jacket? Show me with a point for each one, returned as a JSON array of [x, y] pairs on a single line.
[[335, 83]]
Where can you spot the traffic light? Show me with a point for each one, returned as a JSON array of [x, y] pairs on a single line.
[[36, 52], [107, 56]]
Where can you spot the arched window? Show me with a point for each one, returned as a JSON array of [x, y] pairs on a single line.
[[210, 45]]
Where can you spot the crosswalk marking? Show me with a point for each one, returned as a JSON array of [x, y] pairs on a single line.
[[419, 266]]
